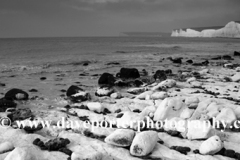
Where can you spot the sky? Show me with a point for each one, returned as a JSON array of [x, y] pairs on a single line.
[[60, 18]]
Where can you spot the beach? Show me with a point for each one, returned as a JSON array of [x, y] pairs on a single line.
[[113, 79]]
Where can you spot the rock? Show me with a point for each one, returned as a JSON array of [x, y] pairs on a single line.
[[205, 63], [159, 95], [168, 71], [190, 61], [106, 79], [217, 58], [136, 90], [191, 79], [236, 53], [227, 115], [116, 95], [6, 147], [198, 129], [227, 57], [211, 146], [73, 90], [204, 71], [80, 96], [196, 84], [169, 108], [160, 75], [183, 150], [148, 111], [236, 77], [19, 154], [121, 137], [144, 95], [20, 114], [186, 113], [16, 94], [229, 65], [104, 91], [56, 144], [176, 60], [33, 90], [144, 143], [238, 69], [169, 83], [87, 156], [95, 106], [129, 73], [5, 104], [43, 78]]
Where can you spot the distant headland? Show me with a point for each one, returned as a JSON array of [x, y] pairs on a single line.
[[231, 30]]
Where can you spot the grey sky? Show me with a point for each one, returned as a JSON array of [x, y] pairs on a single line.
[[34, 18]]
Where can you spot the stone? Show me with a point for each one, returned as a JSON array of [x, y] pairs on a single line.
[[169, 108], [56, 144], [20, 114], [204, 71], [191, 79], [144, 95], [196, 84], [190, 61], [116, 95], [160, 75], [106, 79], [169, 83], [143, 143], [236, 53], [236, 77], [183, 150], [211, 146], [19, 154], [192, 102], [129, 73], [6, 147], [159, 95], [16, 94], [5, 104], [86, 156], [176, 60], [73, 90], [198, 129], [227, 57], [80, 96], [104, 91], [95, 106], [227, 115], [121, 137], [136, 90]]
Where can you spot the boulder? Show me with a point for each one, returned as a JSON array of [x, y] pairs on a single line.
[[226, 115], [129, 73], [227, 57], [95, 106], [236, 53], [16, 94], [144, 143], [73, 90], [6, 147], [160, 75], [198, 129], [236, 77], [116, 95], [211, 146], [106, 79], [5, 104], [176, 60], [121, 137], [190, 61], [104, 91], [19, 154], [169, 108], [20, 114], [159, 95]]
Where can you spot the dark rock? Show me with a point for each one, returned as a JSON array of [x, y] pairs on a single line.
[[205, 63], [136, 110], [181, 149], [137, 83], [20, 114], [56, 144], [106, 111], [43, 78], [196, 151], [237, 155], [221, 152], [160, 75], [118, 111], [73, 90], [85, 64], [106, 79], [176, 60], [168, 71], [66, 151], [121, 83], [35, 142], [83, 74], [84, 118], [63, 90], [129, 73], [217, 58], [160, 141], [190, 61], [227, 57], [33, 90], [16, 94], [2, 84], [197, 64], [119, 115], [5, 104], [33, 129], [236, 53], [113, 63]]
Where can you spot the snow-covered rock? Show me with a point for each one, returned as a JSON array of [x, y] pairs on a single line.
[[5, 147], [159, 95], [95, 106], [19, 154], [226, 115]]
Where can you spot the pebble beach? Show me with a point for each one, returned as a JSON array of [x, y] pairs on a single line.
[[117, 80]]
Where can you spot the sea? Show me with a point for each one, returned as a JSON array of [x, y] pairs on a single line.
[[66, 61]]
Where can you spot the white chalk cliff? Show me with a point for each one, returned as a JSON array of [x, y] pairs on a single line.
[[231, 30]]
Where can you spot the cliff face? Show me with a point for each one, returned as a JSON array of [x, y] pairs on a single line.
[[231, 30]]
